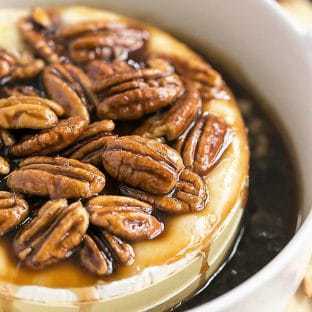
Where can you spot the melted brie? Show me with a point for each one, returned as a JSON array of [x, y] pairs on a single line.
[[167, 269]]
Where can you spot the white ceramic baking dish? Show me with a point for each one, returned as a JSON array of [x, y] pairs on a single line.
[[263, 49]]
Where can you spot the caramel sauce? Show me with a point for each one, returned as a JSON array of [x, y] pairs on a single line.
[[70, 274], [182, 233]]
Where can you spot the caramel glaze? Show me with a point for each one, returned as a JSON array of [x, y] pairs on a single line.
[[74, 276], [182, 233]]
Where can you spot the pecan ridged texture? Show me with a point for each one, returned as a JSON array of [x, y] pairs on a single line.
[[108, 44], [56, 177], [29, 112], [13, 69], [36, 30], [52, 235], [91, 143], [13, 210], [69, 86], [203, 146], [142, 163], [135, 92], [125, 217], [95, 255], [98, 71], [190, 195], [102, 253], [177, 119], [52, 140], [208, 81]]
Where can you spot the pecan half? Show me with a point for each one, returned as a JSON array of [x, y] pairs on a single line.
[[52, 234], [205, 143], [135, 92], [69, 86], [177, 119], [36, 31], [208, 81], [102, 252], [190, 195], [120, 75], [29, 112], [12, 69], [124, 217], [200, 72], [13, 210], [52, 140], [142, 163], [4, 166], [56, 177], [108, 44], [91, 143]]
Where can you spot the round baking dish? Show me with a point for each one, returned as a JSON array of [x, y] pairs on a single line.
[[233, 33]]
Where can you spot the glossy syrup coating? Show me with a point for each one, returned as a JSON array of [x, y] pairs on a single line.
[[111, 82]]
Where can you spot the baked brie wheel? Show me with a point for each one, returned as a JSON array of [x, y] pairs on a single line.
[[133, 163]]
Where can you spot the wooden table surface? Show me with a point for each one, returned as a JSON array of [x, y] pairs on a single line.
[[301, 12], [302, 301]]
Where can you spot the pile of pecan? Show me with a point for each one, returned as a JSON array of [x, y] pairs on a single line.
[[109, 136]]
